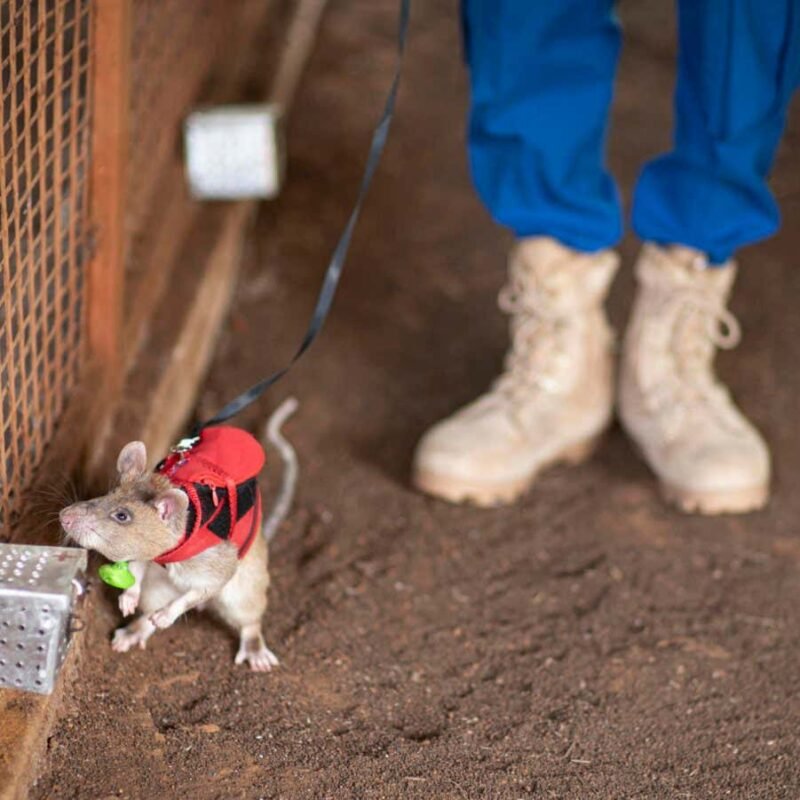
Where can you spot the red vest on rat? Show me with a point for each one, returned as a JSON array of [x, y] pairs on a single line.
[[220, 476]]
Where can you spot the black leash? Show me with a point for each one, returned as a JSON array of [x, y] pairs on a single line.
[[334, 270]]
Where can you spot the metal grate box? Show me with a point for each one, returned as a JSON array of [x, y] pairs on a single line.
[[39, 587]]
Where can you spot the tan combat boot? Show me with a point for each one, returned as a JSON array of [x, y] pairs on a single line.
[[554, 397], [708, 457]]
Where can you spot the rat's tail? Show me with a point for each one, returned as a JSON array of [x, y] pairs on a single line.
[[289, 457]]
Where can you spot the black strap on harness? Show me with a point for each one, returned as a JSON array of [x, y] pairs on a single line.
[[215, 506], [334, 270]]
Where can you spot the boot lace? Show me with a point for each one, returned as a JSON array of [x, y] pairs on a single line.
[[682, 340], [539, 359]]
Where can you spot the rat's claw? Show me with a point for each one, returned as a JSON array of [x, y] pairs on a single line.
[[128, 601]]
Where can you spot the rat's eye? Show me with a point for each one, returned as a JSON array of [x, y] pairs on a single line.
[[121, 515]]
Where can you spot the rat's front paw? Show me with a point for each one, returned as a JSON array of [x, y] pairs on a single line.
[[162, 618], [128, 601]]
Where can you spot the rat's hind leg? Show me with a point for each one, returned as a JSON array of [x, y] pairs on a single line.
[[157, 591], [242, 604], [246, 619], [254, 650]]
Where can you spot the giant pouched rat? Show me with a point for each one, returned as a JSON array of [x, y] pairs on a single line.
[[146, 516]]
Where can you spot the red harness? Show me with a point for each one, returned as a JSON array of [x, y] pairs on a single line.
[[220, 476]]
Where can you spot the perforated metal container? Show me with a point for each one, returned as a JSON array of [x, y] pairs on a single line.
[[39, 588]]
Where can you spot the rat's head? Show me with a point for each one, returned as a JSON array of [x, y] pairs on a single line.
[[138, 520]]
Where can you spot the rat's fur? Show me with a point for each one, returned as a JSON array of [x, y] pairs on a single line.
[[145, 516]]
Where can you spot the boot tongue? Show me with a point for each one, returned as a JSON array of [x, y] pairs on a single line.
[[557, 279], [677, 267]]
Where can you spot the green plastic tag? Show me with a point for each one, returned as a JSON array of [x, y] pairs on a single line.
[[117, 575]]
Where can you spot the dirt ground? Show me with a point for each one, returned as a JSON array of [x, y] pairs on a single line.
[[587, 643]]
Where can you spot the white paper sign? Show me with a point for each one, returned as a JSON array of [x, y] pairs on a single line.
[[234, 152]]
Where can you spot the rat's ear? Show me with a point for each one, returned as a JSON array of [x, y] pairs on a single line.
[[132, 462], [171, 503]]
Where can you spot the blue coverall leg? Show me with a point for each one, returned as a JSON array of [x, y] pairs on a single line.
[[739, 63], [541, 77]]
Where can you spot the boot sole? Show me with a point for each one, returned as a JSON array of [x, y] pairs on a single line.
[[740, 501], [692, 501], [488, 495]]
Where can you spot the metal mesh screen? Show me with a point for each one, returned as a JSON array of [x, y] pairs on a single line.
[[44, 60]]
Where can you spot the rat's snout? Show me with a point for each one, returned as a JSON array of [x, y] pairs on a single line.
[[67, 518], [83, 524], [71, 518]]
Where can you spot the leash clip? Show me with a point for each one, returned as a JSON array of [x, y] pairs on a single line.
[[181, 449], [185, 445]]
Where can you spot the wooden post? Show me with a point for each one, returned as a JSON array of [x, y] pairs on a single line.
[[108, 193], [109, 120]]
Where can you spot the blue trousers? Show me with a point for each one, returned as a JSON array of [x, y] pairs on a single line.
[[541, 75]]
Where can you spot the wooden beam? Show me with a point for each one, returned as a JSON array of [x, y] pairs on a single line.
[[105, 276], [175, 215], [173, 397], [107, 186]]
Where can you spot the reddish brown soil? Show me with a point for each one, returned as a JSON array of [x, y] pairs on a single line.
[[588, 643]]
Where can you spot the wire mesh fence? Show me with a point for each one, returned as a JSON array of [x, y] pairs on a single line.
[[45, 55]]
